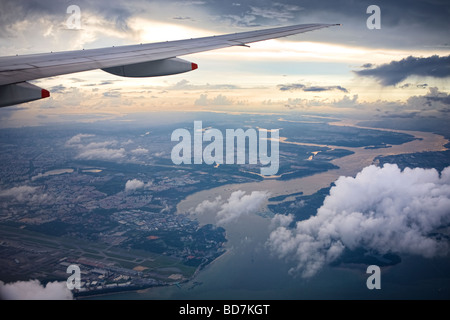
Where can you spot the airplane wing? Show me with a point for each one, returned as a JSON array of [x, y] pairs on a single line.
[[143, 60]]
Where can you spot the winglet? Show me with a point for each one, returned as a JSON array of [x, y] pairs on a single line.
[[16, 93], [45, 93]]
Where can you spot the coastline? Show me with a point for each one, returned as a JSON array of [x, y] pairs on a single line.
[[145, 288], [348, 165]]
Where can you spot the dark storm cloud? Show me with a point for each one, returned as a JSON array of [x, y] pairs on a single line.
[[302, 87], [431, 13], [396, 71], [403, 23], [444, 100], [407, 115], [320, 89], [55, 10], [434, 100], [427, 20], [409, 85], [291, 87]]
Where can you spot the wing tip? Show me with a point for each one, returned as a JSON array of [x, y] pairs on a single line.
[[45, 93]]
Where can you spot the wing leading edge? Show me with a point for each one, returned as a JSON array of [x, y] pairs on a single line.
[[144, 60]]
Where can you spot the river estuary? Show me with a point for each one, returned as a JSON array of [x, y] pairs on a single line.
[[249, 271]]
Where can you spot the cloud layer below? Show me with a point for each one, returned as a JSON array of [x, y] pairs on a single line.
[[134, 184], [238, 204], [34, 290], [25, 194], [381, 209], [105, 150]]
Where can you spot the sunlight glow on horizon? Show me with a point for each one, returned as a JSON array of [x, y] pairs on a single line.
[[239, 78]]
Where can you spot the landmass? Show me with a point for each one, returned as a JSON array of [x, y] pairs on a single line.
[[105, 199]]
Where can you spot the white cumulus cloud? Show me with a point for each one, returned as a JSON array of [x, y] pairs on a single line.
[[77, 138], [20, 193], [237, 204], [382, 209], [103, 150], [24, 194], [139, 151], [101, 154], [34, 290], [134, 184], [208, 206]]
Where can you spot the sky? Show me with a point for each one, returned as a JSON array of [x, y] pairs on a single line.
[[401, 68]]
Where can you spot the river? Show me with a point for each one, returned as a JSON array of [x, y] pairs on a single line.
[[348, 166], [248, 270]]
